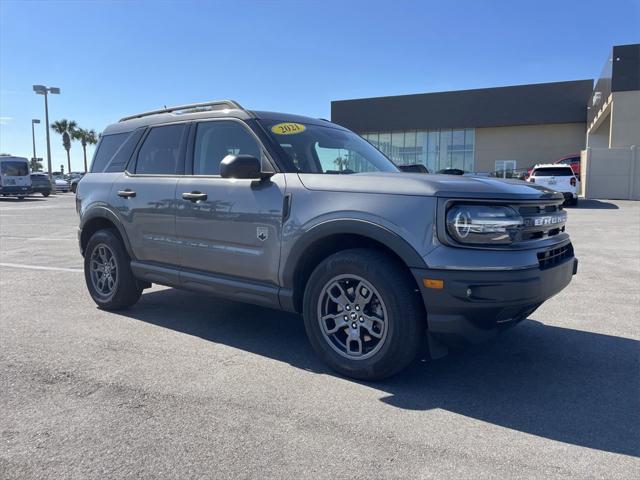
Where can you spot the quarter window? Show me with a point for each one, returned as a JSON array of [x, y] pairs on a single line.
[[160, 151], [216, 140], [109, 145]]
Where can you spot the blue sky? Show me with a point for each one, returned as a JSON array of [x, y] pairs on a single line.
[[114, 58]]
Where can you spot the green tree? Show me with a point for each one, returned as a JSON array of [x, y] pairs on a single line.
[[66, 128], [35, 165], [86, 137]]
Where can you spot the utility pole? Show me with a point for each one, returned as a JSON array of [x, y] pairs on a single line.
[[33, 136], [42, 90]]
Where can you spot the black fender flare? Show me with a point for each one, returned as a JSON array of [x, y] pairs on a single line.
[[105, 213], [364, 228]]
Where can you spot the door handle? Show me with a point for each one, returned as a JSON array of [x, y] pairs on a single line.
[[194, 196], [126, 193]]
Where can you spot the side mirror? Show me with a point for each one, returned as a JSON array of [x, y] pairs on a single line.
[[241, 166]]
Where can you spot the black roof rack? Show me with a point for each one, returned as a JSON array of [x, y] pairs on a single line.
[[231, 104]]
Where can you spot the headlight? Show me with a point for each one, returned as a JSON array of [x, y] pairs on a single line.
[[483, 224]]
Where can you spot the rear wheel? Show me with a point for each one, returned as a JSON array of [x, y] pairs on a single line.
[[362, 314], [46, 194], [107, 272]]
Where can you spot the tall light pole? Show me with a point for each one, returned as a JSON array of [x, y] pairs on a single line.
[[42, 90], [33, 136]]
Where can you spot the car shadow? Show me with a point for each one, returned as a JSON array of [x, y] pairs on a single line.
[[567, 385], [596, 205]]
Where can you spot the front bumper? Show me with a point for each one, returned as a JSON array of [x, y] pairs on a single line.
[[15, 190], [474, 305]]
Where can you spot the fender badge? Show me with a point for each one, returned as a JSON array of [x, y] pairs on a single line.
[[262, 233]]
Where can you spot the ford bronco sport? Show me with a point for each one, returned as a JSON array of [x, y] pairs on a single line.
[[303, 215]]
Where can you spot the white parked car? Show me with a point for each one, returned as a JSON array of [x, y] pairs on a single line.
[[61, 185], [560, 178]]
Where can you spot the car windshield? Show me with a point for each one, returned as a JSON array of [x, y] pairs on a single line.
[[14, 168], [317, 149], [553, 172]]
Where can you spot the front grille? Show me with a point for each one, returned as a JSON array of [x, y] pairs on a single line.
[[555, 256], [541, 221], [527, 210]]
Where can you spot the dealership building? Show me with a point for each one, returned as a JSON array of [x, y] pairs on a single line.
[[508, 128]]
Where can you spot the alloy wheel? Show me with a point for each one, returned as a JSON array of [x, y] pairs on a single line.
[[353, 317], [104, 270]]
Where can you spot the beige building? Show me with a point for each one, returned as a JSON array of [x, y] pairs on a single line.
[[611, 161], [501, 130], [526, 145]]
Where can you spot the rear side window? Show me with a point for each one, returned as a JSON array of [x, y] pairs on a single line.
[[553, 172], [120, 159], [216, 140], [108, 146], [160, 151]]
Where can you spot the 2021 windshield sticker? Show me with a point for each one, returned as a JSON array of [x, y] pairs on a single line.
[[288, 128]]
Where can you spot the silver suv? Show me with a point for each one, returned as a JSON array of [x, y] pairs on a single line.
[[303, 215]]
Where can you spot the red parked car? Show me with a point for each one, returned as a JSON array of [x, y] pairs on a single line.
[[573, 161]]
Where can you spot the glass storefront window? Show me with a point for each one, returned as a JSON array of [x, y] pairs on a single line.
[[397, 146], [384, 143], [373, 139], [457, 160], [436, 149], [433, 150], [421, 148], [457, 142], [444, 159], [409, 154], [469, 139]]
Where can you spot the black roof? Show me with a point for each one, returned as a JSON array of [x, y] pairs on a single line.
[[543, 103]]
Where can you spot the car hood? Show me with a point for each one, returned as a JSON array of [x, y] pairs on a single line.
[[396, 183]]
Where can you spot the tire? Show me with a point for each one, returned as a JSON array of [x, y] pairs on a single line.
[[399, 318], [46, 194], [73, 188], [117, 290]]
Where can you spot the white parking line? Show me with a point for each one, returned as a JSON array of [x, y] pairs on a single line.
[[40, 267], [38, 239]]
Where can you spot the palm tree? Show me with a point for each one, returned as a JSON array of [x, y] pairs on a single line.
[[86, 137], [35, 165], [66, 128]]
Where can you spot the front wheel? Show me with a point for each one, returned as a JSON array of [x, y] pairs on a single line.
[[363, 315], [107, 272], [46, 194]]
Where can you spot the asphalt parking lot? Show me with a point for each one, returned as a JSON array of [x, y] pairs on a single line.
[[187, 386]]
